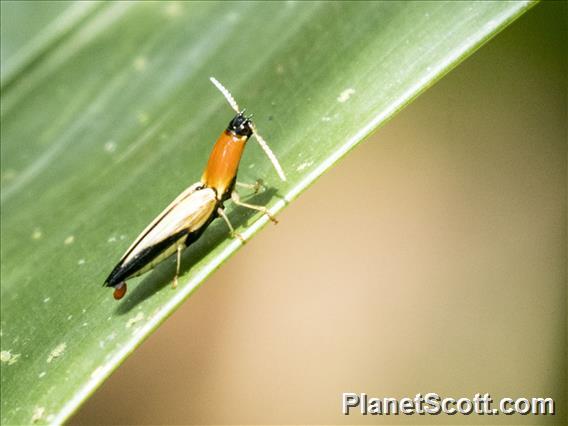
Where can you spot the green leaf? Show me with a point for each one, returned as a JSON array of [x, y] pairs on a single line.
[[110, 114]]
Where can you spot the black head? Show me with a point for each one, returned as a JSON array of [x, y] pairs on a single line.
[[240, 125]]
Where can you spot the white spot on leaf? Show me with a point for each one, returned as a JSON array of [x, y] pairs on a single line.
[[345, 95], [139, 317], [110, 147], [8, 357], [57, 352], [304, 165], [38, 414], [37, 234], [69, 240]]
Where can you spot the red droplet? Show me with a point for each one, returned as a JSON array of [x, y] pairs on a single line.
[[119, 291]]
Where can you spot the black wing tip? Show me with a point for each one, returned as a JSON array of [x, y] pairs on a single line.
[[114, 277], [108, 282]]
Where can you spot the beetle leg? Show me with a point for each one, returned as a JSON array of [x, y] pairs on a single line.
[[226, 219], [237, 200], [255, 187], [179, 249]]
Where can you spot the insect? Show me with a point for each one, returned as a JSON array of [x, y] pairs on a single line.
[[187, 217]]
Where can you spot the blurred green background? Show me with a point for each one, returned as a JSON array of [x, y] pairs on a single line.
[[432, 259]]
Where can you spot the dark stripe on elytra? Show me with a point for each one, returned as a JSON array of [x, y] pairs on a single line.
[[122, 272]]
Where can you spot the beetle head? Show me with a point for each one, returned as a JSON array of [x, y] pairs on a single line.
[[241, 125]]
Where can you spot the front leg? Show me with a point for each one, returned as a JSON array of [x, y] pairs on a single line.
[[255, 187], [237, 200]]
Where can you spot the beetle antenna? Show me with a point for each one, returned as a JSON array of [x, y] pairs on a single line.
[[226, 94], [269, 154], [259, 138]]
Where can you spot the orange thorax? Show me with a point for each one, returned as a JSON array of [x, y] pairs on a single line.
[[224, 162]]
